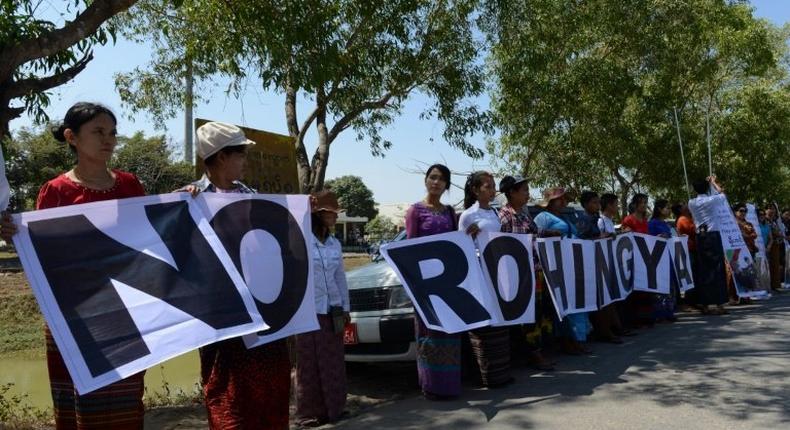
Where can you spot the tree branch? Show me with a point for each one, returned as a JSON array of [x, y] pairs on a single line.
[[85, 24], [33, 85], [344, 122]]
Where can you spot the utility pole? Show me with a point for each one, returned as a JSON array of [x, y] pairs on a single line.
[[188, 143]]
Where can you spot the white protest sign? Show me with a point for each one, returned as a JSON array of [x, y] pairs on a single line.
[[508, 270], [715, 212], [453, 291], [651, 264], [681, 260], [127, 284], [444, 280]]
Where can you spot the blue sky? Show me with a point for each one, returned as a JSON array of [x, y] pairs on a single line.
[[416, 142]]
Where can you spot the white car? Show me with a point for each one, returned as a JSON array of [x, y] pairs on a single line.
[[382, 316]]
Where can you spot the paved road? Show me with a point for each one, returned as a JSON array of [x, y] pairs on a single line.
[[727, 372]]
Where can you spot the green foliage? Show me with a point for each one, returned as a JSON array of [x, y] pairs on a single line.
[[380, 228], [358, 61], [354, 196], [17, 413], [24, 20], [21, 323], [33, 157], [585, 93], [149, 159]]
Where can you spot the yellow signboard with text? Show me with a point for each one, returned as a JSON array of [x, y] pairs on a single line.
[[271, 162]]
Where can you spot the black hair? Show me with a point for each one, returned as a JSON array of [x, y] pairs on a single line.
[[658, 206], [319, 229], [607, 199], [638, 197], [474, 180], [701, 186], [677, 209], [443, 170], [77, 116], [212, 159], [586, 197], [515, 187], [738, 206]]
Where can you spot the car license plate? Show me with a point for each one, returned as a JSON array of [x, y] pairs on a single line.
[[350, 334]]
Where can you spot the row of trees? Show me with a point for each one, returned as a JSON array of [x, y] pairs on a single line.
[[584, 94]]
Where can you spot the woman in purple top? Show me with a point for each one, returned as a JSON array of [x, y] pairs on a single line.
[[438, 353]]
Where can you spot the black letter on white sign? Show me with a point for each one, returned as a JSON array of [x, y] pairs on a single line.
[[555, 277], [445, 286], [101, 325], [235, 220], [495, 250], [651, 259]]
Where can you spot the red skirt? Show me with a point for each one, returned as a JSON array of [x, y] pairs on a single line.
[[116, 406], [246, 389]]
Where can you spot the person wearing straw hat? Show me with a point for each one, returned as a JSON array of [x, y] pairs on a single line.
[[320, 365], [243, 388], [574, 327]]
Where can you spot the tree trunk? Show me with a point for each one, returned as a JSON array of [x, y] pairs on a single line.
[[302, 164], [321, 156]]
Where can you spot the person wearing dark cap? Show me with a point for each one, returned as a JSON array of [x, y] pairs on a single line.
[[514, 216], [320, 366], [550, 222], [243, 388]]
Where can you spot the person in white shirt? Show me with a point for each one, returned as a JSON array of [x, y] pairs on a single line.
[[478, 215], [609, 208], [491, 345], [320, 368]]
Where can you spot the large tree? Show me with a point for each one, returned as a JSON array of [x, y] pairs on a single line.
[[586, 91], [354, 196], [38, 55], [356, 61]]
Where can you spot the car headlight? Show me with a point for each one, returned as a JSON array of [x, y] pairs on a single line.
[[399, 299]]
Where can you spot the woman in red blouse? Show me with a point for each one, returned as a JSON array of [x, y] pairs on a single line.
[[90, 131], [636, 221], [640, 305]]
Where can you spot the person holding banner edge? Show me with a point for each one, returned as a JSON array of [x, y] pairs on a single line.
[[490, 345], [640, 305], [515, 218], [243, 388], [605, 321], [320, 366], [438, 353], [575, 327], [90, 132], [665, 304]]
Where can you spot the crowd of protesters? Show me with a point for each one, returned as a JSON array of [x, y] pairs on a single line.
[[494, 349], [250, 388]]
